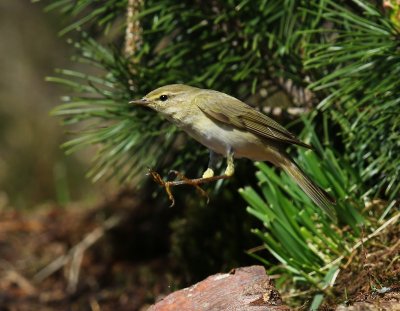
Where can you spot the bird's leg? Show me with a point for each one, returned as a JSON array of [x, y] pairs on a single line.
[[196, 182], [230, 167], [187, 181], [211, 165], [208, 176]]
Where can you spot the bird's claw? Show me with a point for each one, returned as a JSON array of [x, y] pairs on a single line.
[[183, 180], [166, 184]]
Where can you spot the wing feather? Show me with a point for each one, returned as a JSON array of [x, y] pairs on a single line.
[[229, 110]]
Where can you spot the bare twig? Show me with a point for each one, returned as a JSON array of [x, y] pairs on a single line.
[[133, 29], [291, 111], [23, 283], [363, 240], [300, 96], [10, 274], [94, 305], [183, 180], [75, 254]]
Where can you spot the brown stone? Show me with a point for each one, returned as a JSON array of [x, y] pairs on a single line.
[[247, 288]]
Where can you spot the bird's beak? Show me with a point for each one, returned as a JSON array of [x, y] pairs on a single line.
[[142, 102]]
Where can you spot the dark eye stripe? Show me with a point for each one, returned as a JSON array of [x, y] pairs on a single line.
[[163, 97]]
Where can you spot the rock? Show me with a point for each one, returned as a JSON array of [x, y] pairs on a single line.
[[247, 288]]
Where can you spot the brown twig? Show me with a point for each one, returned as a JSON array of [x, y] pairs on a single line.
[[15, 277], [183, 180], [278, 112], [363, 240], [299, 95], [133, 33], [75, 254]]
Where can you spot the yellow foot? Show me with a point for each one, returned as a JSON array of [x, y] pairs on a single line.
[[208, 173], [230, 170]]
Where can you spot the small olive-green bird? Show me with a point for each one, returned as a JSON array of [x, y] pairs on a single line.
[[229, 127]]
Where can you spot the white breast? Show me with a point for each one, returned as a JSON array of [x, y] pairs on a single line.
[[220, 138]]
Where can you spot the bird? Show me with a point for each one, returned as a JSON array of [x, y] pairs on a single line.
[[229, 127]]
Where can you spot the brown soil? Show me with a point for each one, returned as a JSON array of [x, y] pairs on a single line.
[[129, 269], [371, 277], [125, 269]]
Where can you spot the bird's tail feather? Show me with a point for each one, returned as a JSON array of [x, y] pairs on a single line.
[[317, 194]]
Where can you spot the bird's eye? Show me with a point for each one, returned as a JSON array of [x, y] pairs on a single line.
[[163, 98]]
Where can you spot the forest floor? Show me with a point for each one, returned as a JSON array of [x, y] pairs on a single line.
[[56, 258]]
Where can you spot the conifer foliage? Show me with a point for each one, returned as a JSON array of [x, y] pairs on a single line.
[[346, 53], [338, 58]]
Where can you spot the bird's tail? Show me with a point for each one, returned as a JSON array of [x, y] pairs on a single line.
[[317, 194]]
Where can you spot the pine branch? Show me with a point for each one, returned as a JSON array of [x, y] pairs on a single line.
[[133, 28], [91, 15], [350, 56], [358, 73]]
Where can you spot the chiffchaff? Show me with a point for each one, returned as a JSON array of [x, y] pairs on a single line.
[[229, 127]]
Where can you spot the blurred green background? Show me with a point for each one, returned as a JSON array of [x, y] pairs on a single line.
[[33, 168]]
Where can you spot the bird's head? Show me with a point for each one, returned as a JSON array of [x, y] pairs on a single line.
[[168, 99]]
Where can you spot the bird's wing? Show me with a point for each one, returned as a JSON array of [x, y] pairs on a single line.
[[229, 110]]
